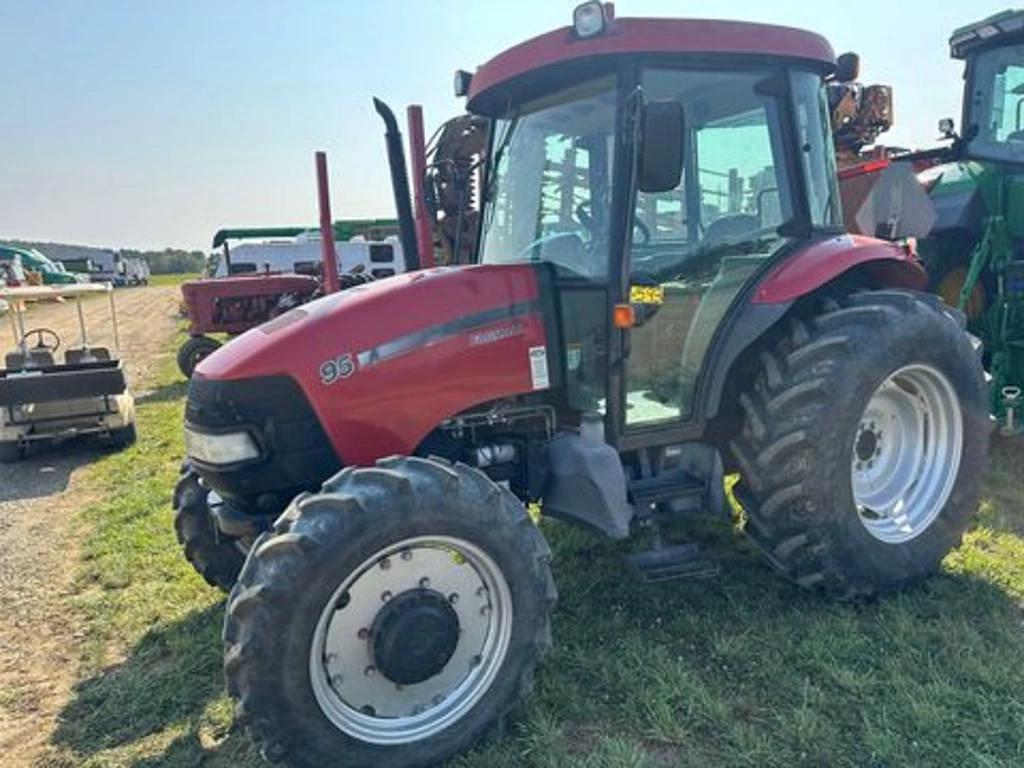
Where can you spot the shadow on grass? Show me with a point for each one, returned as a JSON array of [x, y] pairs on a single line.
[[165, 686], [1002, 509], [166, 393]]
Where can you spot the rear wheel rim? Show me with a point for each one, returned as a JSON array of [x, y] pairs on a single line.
[[906, 453], [350, 688]]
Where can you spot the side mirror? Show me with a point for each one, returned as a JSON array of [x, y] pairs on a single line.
[[947, 128], [847, 68], [662, 137]]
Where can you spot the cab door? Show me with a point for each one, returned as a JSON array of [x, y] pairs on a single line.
[[694, 248]]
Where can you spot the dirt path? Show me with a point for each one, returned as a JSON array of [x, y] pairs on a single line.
[[38, 552]]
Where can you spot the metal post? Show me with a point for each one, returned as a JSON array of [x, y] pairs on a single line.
[[113, 317], [14, 323], [81, 321], [418, 164], [330, 257]]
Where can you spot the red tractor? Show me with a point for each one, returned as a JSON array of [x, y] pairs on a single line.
[[664, 294]]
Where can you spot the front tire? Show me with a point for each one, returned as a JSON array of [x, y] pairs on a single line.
[[217, 557], [365, 577], [864, 444]]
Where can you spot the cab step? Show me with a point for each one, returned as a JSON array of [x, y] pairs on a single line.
[[678, 562], [667, 487]]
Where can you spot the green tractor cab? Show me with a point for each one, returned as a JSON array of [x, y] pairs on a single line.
[[975, 252]]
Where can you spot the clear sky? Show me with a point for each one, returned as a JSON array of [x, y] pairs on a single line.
[[154, 123]]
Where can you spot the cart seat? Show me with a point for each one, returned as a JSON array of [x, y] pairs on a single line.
[[33, 358], [86, 355]]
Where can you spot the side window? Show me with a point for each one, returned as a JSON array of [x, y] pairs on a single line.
[[1008, 104], [739, 188], [695, 247]]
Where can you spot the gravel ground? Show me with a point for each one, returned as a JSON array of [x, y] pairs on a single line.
[[38, 551]]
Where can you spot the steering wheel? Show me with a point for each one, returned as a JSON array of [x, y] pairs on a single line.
[[583, 217], [40, 334]]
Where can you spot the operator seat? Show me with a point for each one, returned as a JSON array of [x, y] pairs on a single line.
[[28, 360], [86, 355]]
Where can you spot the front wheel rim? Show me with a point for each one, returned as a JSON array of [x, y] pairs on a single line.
[[353, 693], [906, 453]]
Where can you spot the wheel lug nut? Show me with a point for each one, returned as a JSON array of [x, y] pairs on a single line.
[[364, 633], [385, 564], [481, 591], [475, 661], [424, 582], [484, 610], [371, 671], [385, 596], [453, 598], [337, 680], [437, 699], [407, 555]]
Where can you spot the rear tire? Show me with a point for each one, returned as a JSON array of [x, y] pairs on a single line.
[[291, 692], [193, 351], [806, 483], [218, 558]]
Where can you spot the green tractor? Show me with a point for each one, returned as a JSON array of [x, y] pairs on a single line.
[[975, 252]]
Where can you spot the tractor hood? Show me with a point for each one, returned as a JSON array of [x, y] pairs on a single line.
[[384, 363]]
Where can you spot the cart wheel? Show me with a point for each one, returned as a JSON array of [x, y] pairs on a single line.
[[123, 437], [11, 451], [193, 351]]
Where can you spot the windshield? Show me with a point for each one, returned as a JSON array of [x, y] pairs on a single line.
[[548, 198], [996, 104]]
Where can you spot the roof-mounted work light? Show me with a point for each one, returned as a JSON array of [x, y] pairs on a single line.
[[590, 19]]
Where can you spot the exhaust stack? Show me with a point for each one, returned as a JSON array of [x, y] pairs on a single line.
[[400, 185]]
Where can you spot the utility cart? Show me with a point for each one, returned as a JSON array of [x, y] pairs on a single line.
[[47, 397]]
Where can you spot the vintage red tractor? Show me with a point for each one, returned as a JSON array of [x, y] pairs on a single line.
[[664, 293]]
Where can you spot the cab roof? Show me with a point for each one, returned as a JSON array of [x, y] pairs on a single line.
[[649, 36]]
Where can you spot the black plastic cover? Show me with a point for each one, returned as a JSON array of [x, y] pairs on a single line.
[[295, 454]]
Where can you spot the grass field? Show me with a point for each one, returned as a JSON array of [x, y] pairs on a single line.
[[175, 279], [740, 671]]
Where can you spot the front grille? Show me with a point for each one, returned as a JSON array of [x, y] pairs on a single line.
[[295, 452]]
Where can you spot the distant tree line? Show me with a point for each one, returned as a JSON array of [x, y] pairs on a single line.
[[169, 260], [166, 262]]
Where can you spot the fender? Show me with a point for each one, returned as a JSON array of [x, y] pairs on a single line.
[[891, 265], [799, 274]]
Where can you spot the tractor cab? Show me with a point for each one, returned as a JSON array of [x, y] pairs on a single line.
[[993, 107], [662, 182], [977, 187]]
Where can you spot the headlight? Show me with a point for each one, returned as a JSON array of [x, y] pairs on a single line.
[[225, 448]]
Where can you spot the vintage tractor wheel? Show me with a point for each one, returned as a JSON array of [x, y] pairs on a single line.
[[864, 443], [392, 619], [192, 352], [218, 558]]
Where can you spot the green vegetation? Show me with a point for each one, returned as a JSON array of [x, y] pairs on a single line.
[[166, 262], [170, 260], [173, 279], [744, 670]]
